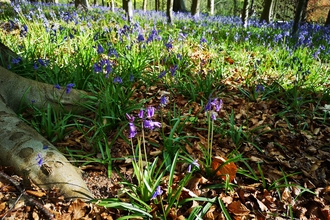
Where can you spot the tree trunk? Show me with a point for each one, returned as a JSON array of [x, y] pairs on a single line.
[[267, 12], [298, 15], [113, 5], [25, 149], [83, 3], [144, 5], [169, 11], [245, 13], [157, 5], [327, 22], [210, 6], [179, 6], [235, 7], [128, 7], [195, 8]]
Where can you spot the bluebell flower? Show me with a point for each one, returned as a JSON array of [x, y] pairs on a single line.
[[132, 128], [57, 86], [150, 111], [40, 160], [203, 40], [97, 67], [118, 79], [158, 192], [173, 69], [214, 115], [169, 46], [141, 114], [163, 101], [42, 62], [194, 163], [151, 124], [16, 60], [69, 87], [45, 147], [100, 49], [35, 66], [260, 88], [112, 52], [162, 74], [140, 38]]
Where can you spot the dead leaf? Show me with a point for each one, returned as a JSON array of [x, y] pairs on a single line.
[[237, 208], [223, 170]]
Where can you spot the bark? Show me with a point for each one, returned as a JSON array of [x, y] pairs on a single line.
[[210, 6], [128, 7], [327, 22], [298, 15], [245, 13], [113, 5], [157, 5], [235, 7], [195, 8], [169, 11], [144, 5], [22, 147], [83, 3], [179, 6], [267, 11]]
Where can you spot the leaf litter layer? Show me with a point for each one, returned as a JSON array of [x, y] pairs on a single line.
[[275, 134]]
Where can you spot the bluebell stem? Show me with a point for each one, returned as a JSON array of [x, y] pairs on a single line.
[[158, 192]]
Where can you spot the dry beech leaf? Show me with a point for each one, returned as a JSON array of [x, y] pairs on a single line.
[[237, 208], [223, 170]]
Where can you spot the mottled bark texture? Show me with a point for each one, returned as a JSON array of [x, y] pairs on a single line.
[[25, 149]]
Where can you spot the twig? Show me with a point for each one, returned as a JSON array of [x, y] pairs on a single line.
[[27, 196]]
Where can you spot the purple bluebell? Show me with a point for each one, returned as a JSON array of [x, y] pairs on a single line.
[[203, 40], [140, 38], [16, 60], [150, 111], [158, 192], [194, 163], [173, 69], [118, 79], [69, 87], [141, 114], [40, 160], [57, 86], [163, 101], [100, 49], [132, 128], [162, 74], [260, 88], [151, 124], [97, 67]]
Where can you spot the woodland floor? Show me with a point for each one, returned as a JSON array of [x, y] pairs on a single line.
[[286, 149]]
